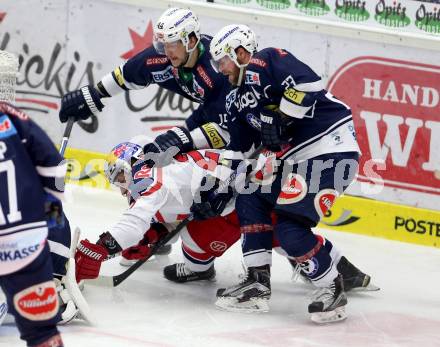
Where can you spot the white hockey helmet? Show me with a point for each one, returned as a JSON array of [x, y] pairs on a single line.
[[8, 76], [120, 160], [228, 39], [176, 24]]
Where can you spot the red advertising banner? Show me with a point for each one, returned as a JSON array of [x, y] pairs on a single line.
[[396, 111]]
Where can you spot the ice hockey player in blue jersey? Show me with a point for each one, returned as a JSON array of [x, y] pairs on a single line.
[[179, 61], [29, 168], [311, 156]]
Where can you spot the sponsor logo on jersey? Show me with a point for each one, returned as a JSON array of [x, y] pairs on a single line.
[[218, 246], [7, 129], [12, 111], [213, 136], [204, 76], [259, 62], [37, 303], [144, 172], [252, 78], [199, 90], [324, 200], [17, 254], [253, 121], [293, 190], [247, 99], [163, 75], [294, 95], [156, 61]]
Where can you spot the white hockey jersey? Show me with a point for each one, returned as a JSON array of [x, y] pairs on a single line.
[[169, 196]]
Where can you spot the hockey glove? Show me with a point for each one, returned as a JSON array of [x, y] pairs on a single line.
[[162, 151], [209, 202], [80, 104], [143, 248], [88, 260], [271, 128]]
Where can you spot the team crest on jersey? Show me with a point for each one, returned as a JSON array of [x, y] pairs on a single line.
[[230, 99], [218, 246], [310, 266], [293, 190], [37, 303], [253, 78], [253, 121], [7, 129], [324, 201], [164, 75]]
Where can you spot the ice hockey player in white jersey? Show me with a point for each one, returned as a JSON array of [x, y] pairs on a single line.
[[161, 196]]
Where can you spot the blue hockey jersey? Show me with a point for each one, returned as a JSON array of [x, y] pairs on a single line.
[[316, 121], [201, 84], [29, 166]]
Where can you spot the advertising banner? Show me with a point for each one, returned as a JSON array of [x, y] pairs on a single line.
[[406, 15]]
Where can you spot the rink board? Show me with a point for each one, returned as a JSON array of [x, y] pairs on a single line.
[[349, 214]]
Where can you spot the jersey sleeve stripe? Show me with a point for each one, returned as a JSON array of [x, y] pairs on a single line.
[[52, 171], [316, 86]]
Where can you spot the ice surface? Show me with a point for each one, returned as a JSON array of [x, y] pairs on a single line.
[[147, 310]]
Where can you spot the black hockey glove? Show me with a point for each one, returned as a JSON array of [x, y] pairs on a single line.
[[80, 104], [272, 128], [167, 145], [208, 201]]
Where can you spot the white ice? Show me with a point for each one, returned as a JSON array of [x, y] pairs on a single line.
[[147, 310]]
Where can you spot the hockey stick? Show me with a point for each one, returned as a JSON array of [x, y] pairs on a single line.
[[71, 285], [66, 135], [114, 281]]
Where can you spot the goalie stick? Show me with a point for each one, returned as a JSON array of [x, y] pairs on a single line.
[[114, 281]]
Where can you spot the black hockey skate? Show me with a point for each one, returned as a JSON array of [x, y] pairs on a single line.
[[328, 303], [250, 295], [354, 279], [180, 273]]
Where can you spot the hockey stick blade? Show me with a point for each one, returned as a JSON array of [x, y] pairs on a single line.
[[114, 281]]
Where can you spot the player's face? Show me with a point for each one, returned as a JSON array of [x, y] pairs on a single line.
[[122, 183], [176, 53], [228, 68]]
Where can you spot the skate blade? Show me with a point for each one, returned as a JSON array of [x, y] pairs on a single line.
[[369, 288], [338, 314], [230, 304]]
